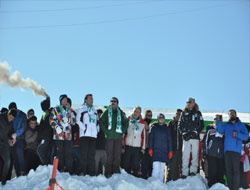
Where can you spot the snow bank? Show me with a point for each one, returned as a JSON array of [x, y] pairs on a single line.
[[39, 179]]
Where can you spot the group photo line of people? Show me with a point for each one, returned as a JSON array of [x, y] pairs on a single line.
[[93, 142]]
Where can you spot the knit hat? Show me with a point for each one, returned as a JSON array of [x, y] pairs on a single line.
[[12, 105], [62, 97]]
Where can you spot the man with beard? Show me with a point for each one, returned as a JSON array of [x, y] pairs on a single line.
[[235, 132]]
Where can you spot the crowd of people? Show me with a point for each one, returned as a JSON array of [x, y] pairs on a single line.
[[93, 142]]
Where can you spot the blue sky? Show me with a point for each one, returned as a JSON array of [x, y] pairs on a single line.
[[147, 53]]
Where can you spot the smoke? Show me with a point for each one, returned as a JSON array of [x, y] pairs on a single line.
[[16, 80]]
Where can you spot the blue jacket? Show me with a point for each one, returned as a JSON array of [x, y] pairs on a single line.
[[233, 143], [20, 124], [160, 142]]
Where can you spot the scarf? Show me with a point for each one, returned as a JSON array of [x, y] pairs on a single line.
[[91, 113], [65, 113], [135, 122], [119, 119], [45, 114]]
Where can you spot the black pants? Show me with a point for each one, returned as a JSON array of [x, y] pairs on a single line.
[[44, 150], [113, 149], [5, 155], [87, 153], [232, 164], [215, 170], [174, 168], [131, 159], [31, 159], [146, 166], [64, 154]]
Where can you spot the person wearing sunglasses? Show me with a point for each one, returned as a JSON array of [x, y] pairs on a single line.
[[146, 166], [190, 125], [114, 124]]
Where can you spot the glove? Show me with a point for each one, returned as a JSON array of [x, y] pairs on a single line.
[[58, 130], [170, 155], [150, 152]]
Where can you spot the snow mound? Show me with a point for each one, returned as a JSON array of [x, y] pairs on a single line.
[[39, 179]]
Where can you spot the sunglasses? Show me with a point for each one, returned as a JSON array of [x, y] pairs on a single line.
[[113, 101], [149, 115]]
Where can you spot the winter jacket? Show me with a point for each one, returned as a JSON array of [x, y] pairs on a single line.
[[175, 135], [160, 142], [88, 122], [233, 143], [45, 131], [191, 124], [31, 140], [20, 124], [104, 122], [136, 138], [213, 143], [6, 130], [56, 120], [100, 141]]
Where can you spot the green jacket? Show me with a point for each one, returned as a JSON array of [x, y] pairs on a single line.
[[112, 134]]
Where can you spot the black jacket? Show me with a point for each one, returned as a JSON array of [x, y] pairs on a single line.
[[212, 143], [6, 130], [191, 124], [175, 135], [45, 131]]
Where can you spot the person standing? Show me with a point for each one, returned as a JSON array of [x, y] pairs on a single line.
[[174, 169], [160, 147], [100, 153], [45, 134], [87, 120], [190, 125], [31, 158], [7, 139], [235, 132], [20, 125], [61, 120], [146, 165], [114, 124], [135, 141], [213, 151]]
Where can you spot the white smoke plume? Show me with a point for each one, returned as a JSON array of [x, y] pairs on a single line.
[[16, 80]]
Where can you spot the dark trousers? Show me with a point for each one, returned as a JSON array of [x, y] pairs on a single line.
[[18, 157], [243, 178], [87, 152], [232, 164], [131, 160], [5, 155], [76, 160], [113, 149], [32, 160], [215, 170], [64, 154], [146, 166], [174, 167], [44, 150]]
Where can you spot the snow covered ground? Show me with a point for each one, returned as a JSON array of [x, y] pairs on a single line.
[[39, 179]]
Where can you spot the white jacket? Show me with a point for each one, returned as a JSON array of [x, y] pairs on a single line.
[[136, 138], [87, 122]]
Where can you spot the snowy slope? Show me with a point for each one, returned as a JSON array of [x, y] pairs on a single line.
[[39, 179], [169, 113]]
